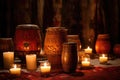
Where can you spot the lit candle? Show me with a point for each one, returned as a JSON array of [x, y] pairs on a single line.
[[8, 58], [45, 68], [103, 58], [15, 70], [88, 50], [85, 63], [31, 62], [80, 54]]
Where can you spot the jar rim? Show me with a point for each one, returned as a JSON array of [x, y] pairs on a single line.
[[27, 26]]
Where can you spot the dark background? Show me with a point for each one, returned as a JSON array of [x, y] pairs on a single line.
[[74, 16]]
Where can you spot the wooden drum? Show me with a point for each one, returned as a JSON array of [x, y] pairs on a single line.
[[27, 39]]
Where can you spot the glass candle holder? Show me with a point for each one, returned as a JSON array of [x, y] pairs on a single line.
[[15, 69], [85, 60], [45, 68], [103, 58]]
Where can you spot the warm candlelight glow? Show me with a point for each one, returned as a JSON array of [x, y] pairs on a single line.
[[103, 58], [80, 54], [8, 58], [88, 50], [45, 68], [31, 62], [15, 70], [85, 60], [85, 63]]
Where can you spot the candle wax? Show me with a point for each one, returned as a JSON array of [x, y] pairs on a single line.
[[15, 70], [103, 59], [88, 50], [8, 58], [45, 68], [85, 63], [31, 62]]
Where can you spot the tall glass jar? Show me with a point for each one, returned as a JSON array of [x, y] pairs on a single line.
[[54, 38], [103, 44]]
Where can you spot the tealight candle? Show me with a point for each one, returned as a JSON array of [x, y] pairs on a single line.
[[85, 61], [45, 68], [80, 54], [31, 62], [88, 50], [8, 58], [15, 70], [103, 58]]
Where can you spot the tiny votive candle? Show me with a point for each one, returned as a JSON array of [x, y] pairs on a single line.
[[85, 61], [80, 54], [31, 62], [103, 58], [8, 59], [15, 70], [45, 68], [88, 50]]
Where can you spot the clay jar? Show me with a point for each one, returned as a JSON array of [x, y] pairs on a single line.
[[69, 57], [54, 38], [103, 44], [116, 49]]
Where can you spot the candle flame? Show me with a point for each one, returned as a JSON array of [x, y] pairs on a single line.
[[86, 59], [15, 66], [103, 55], [88, 47], [45, 64]]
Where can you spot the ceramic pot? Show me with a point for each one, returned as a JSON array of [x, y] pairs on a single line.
[[103, 44], [54, 38]]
